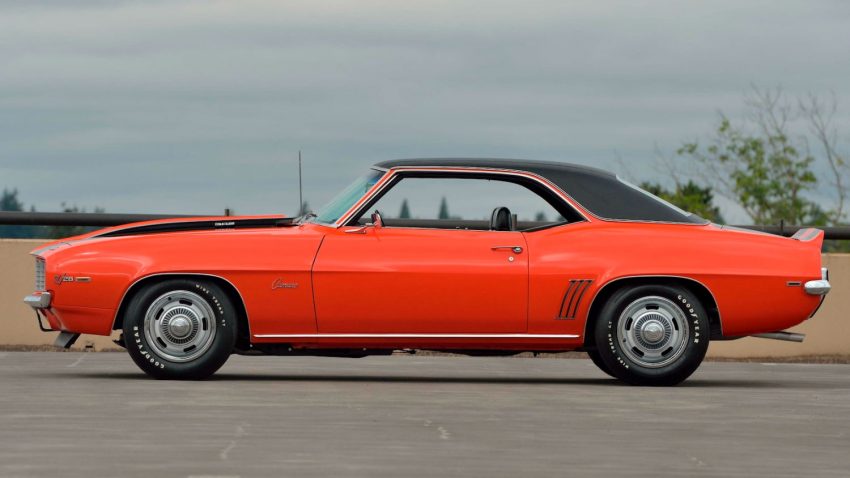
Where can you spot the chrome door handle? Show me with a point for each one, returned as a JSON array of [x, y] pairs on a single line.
[[515, 249]]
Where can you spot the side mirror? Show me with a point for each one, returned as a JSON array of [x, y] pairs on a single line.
[[377, 222]]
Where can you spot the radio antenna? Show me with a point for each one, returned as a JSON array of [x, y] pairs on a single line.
[[300, 189]]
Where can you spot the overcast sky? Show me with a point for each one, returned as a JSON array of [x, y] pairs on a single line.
[[190, 107]]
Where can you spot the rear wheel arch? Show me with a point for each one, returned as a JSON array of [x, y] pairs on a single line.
[[243, 340], [697, 288]]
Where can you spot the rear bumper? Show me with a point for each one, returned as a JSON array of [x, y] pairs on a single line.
[[39, 300], [819, 287]]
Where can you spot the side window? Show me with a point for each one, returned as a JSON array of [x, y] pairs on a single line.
[[461, 203]]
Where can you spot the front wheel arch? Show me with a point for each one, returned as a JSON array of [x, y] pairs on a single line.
[[695, 287], [243, 340]]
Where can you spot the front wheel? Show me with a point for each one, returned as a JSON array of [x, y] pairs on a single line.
[[652, 334], [180, 329], [596, 358]]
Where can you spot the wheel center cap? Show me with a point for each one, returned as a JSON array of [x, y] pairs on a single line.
[[180, 327], [653, 331]]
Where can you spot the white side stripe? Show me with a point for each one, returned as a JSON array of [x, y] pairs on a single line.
[[416, 336]]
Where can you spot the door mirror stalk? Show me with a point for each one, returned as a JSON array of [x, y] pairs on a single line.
[[376, 223]]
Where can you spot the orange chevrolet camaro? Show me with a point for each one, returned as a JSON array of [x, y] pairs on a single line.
[[472, 256]]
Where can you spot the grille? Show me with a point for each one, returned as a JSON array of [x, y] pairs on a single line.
[[39, 274]]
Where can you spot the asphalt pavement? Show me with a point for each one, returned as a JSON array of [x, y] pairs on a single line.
[[95, 414]]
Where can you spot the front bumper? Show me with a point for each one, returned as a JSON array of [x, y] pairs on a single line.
[[819, 287], [39, 300]]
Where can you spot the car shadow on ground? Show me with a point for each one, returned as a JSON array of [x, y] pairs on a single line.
[[743, 383]]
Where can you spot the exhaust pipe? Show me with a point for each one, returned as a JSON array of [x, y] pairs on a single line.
[[781, 335]]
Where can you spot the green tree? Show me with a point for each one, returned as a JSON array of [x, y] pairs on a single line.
[[765, 173], [9, 202], [405, 210], [771, 169], [689, 196], [444, 210], [540, 216]]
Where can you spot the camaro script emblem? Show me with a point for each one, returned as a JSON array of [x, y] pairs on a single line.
[[280, 284]]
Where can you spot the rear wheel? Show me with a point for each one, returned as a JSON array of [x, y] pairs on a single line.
[[180, 329], [652, 334]]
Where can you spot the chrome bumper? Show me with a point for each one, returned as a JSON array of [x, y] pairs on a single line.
[[38, 300], [819, 287]]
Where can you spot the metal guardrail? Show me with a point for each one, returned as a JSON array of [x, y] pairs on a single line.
[[107, 219], [76, 218]]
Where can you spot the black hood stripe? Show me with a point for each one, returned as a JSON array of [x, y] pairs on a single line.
[[203, 225]]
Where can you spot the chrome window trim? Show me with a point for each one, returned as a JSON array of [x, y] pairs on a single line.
[[394, 172], [411, 228], [565, 196], [652, 276], [202, 274]]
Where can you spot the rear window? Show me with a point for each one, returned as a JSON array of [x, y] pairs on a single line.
[[609, 197]]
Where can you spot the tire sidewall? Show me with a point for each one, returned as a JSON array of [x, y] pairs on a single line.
[[619, 364], [145, 355], [596, 358]]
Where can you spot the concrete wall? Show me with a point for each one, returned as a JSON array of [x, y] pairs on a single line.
[[17, 279], [827, 333]]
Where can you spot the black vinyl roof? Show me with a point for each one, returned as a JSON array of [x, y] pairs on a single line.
[[537, 167], [600, 192]]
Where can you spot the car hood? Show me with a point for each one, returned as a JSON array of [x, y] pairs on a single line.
[[202, 223]]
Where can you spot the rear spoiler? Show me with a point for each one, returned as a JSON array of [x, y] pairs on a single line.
[[809, 234]]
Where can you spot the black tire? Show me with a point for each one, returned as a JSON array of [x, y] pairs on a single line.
[[180, 329], [652, 335], [596, 358]]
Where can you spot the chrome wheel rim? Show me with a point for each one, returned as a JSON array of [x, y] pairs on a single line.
[[180, 326], [653, 331]]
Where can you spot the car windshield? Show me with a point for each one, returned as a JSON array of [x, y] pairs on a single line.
[[332, 211]]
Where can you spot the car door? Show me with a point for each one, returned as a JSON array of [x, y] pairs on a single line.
[[401, 280]]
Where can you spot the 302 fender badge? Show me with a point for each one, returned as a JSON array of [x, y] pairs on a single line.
[[281, 284]]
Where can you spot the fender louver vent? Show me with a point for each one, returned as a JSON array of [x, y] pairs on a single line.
[[572, 298]]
